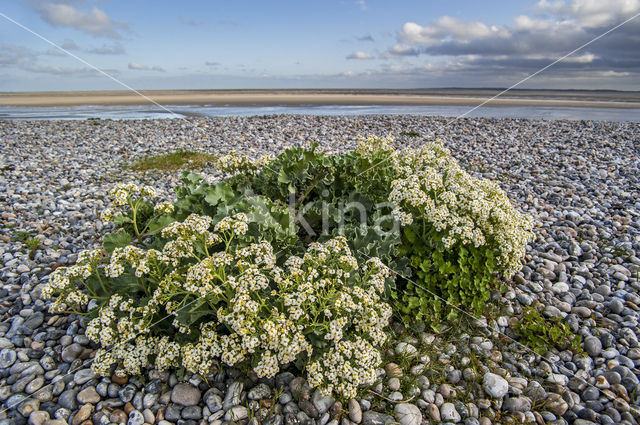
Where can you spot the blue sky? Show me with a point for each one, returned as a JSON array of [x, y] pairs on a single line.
[[321, 44]]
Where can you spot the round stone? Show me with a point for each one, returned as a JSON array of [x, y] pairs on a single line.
[[355, 412], [88, 395], [448, 412], [495, 386], [407, 414], [593, 346], [185, 395], [135, 418], [259, 392], [7, 358]]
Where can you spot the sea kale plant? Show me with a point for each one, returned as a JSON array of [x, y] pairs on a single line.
[[459, 231], [297, 259], [210, 294]]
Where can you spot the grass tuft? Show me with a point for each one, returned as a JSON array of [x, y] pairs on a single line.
[[174, 161], [410, 133]]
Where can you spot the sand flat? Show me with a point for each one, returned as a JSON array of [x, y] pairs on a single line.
[[322, 97]]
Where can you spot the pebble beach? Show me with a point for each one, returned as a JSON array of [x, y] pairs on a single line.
[[580, 180]]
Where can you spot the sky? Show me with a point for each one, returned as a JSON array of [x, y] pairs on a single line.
[[402, 44]]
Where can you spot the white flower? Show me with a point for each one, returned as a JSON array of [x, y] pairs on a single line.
[[163, 207]]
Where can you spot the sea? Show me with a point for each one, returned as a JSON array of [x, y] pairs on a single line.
[[184, 111]]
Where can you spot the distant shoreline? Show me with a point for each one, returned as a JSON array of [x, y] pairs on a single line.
[[455, 97]]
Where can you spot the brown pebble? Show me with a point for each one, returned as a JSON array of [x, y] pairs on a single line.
[[393, 370], [120, 380], [88, 395], [83, 414], [632, 306], [433, 412], [539, 419], [620, 390], [129, 407], [118, 416], [37, 345]]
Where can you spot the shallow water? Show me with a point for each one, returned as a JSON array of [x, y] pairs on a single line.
[[147, 112]]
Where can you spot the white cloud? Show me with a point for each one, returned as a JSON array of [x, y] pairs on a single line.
[[57, 70], [486, 53], [94, 21], [11, 54], [362, 4], [399, 50], [530, 43], [584, 58], [359, 55], [613, 74], [115, 49], [592, 13], [445, 27], [139, 67]]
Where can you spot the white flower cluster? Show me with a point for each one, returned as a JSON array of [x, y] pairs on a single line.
[[252, 311], [344, 367], [190, 229], [237, 223], [134, 356], [62, 282], [122, 330], [234, 163], [123, 191], [465, 209], [260, 314], [195, 228], [124, 195], [372, 145], [163, 207], [106, 215]]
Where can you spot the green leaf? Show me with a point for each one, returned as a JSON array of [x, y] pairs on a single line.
[[159, 223], [118, 239], [410, 234], [218, 193], [191, 178], [120, 219]]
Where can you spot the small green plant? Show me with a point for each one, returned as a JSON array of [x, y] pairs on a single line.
[[22, 235], [541, 334], [410, 133], [30, 240], [174, 161], [33, 244]]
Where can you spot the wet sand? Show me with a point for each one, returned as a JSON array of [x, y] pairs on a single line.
[[587, 99]]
